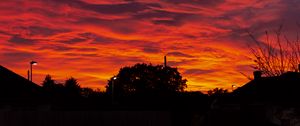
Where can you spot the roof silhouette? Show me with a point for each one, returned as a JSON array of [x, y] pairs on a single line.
[[284, 88], [15, 87]]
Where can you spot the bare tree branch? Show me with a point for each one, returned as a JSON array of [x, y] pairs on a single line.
[[275, 57]]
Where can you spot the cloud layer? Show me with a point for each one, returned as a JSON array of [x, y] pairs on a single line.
[[92, 39]]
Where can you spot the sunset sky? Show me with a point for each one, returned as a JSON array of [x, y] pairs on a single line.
[[92, 39]]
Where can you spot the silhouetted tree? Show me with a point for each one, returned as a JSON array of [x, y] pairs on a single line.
[[89, 92], [54, 91], [48, 83], [217, 92], [144, 78], [276, 54], [72, 87]]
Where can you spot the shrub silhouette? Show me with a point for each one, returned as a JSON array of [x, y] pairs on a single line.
[[217, 92]]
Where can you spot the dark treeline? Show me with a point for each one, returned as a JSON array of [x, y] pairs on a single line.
[[142, 86]]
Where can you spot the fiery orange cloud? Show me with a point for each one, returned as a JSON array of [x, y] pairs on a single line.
[[91, 39]]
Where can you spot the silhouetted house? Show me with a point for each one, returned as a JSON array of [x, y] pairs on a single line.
[[279, 89], [272, 100], [264, 101], [15, 88]]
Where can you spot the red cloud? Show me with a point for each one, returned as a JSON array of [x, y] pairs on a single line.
[[92, 39]]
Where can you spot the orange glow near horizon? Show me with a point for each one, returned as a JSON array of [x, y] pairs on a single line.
[[91, 40]]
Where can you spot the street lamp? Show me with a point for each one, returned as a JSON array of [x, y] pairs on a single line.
[[112, 89], [233, 86], [31, 64]]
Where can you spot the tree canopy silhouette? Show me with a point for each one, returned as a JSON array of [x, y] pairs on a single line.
[[48, 83], [146, 78], [72, 87]]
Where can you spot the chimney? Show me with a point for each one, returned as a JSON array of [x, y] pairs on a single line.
[[257, 75], [165, 61]]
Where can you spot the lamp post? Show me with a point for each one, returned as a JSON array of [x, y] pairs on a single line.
[[113, 88], [233, 86], [31, 64]]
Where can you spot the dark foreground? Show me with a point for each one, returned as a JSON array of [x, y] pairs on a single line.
[[217, 115]]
